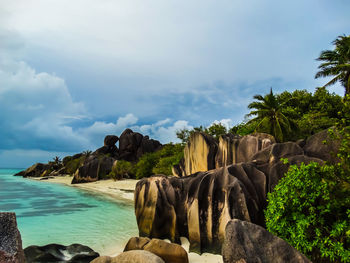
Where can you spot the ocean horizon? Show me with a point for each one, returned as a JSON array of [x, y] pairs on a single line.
[[54, 213]]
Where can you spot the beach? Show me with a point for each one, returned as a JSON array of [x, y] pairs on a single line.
[[124, 190]]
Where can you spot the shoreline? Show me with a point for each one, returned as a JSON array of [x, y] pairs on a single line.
[[123, 190]]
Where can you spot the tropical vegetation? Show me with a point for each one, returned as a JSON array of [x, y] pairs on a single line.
[[336, 63]]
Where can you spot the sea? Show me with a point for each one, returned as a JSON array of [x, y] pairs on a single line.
[[54, 213]]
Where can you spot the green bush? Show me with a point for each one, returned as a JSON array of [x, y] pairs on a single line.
[[310, 209], [145, 165], [159, 162], [122, 169], [73, 164]]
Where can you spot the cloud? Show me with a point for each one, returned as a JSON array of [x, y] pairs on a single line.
[[34, 108]]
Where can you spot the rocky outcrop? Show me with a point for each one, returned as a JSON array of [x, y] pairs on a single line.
[[169, 252], [250, 243], [199, 206], [269, 161], [134, 256], [11, 250], [36, 170], [132, 145], [322, 146], [95, 168], [74, 253], [227, 150], [199, 153], [203, 153], [92, 166]]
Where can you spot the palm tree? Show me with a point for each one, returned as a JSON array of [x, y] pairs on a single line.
[[336, 63], [269, 116]]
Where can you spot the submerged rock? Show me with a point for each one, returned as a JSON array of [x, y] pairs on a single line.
[[250, 243], [74, 253], [11, 250]]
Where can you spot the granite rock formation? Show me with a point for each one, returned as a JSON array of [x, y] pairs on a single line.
[[35, 170], [169, 252], [95, 168], [132, 145], [203, 153], [92, 166], [74, 253], [250, 243], [11, 250], [198, 206], [134, 256]]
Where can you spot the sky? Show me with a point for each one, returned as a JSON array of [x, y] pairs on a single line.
[[73, 71]]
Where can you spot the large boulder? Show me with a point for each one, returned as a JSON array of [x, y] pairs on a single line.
[[199, 206], [132, 145], [250, 243], [136, 243], [199, 153], [137, 256], [250, 145], [74, 253], [322, 146], [269, 161], [227, 150], [110, 140], [36, 170], [169, 252], [94, 168], [11, 250]]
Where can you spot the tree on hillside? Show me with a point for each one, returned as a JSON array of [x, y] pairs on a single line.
[[270, 117], [336, 63]]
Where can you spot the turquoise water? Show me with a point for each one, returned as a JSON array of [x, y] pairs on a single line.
[[54, 213]]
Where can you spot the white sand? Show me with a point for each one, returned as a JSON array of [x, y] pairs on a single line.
[[124, 189]]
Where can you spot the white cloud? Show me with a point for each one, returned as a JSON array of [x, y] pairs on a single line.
[[35, 107]]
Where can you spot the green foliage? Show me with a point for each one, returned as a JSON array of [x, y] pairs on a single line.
[[310, 209], [159, 162], [170, 155], [122, 169], [271, 116], [336, 63], [145, 165], [73, 164], [215, 130], [244, 128], [311, 112]]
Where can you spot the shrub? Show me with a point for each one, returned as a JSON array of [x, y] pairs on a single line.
[[145, 165], [73, 164], [310, 209], [122, 169], [159, 162]]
